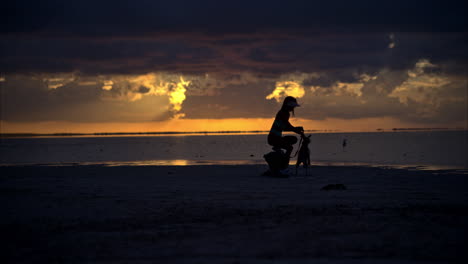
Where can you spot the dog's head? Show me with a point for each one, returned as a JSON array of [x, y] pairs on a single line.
[[306, 139]]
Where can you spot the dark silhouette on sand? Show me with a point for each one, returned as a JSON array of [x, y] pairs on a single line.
[[279, 160], [281, 123]]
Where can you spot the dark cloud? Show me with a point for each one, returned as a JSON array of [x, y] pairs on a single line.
[[327, 79], [28, 99], [196, 54], [95, 18], [234, 101], [384, 84], [143, 89], [269, 37]]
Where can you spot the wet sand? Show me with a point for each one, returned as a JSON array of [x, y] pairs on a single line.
[[231, 214]]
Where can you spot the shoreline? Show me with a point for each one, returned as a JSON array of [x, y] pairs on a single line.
[[226, 214]]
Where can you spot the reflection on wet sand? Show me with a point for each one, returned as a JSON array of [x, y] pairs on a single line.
[[185, 162]]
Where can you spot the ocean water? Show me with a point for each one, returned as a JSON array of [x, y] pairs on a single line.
[[430, 149]]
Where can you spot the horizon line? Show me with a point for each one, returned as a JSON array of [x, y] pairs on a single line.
[[65, 134]]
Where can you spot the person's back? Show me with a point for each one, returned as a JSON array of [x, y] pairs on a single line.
[[280, 124]]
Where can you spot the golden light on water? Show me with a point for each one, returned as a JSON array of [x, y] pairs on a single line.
[[107, 85]]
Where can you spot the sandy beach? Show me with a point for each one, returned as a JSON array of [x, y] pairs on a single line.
[[231, 214]]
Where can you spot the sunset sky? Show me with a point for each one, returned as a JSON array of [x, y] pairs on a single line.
[[130, 66]]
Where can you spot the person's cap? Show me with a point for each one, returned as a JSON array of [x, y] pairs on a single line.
[[292, 102]]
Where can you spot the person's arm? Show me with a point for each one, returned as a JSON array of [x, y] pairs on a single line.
[[284, 117]]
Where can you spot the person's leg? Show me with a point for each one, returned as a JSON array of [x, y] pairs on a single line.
[[277, 161], [287, 143], [275, 142]]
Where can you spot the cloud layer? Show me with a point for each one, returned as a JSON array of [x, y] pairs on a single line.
[[422, 94], [98, 61]]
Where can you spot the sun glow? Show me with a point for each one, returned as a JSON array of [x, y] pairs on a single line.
[[135, 88], [287, 88], [177, 95]]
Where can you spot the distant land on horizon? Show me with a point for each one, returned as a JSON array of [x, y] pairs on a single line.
[[59, 134]]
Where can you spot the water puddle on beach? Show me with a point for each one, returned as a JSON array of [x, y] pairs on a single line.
[[177, 162], [182, 162]]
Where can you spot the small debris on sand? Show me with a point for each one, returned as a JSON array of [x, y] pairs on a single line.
[[331, 187]]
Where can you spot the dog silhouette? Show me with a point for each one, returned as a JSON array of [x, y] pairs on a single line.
[[304, 154]]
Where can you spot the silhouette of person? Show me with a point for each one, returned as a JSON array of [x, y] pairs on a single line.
[[281, 123]]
